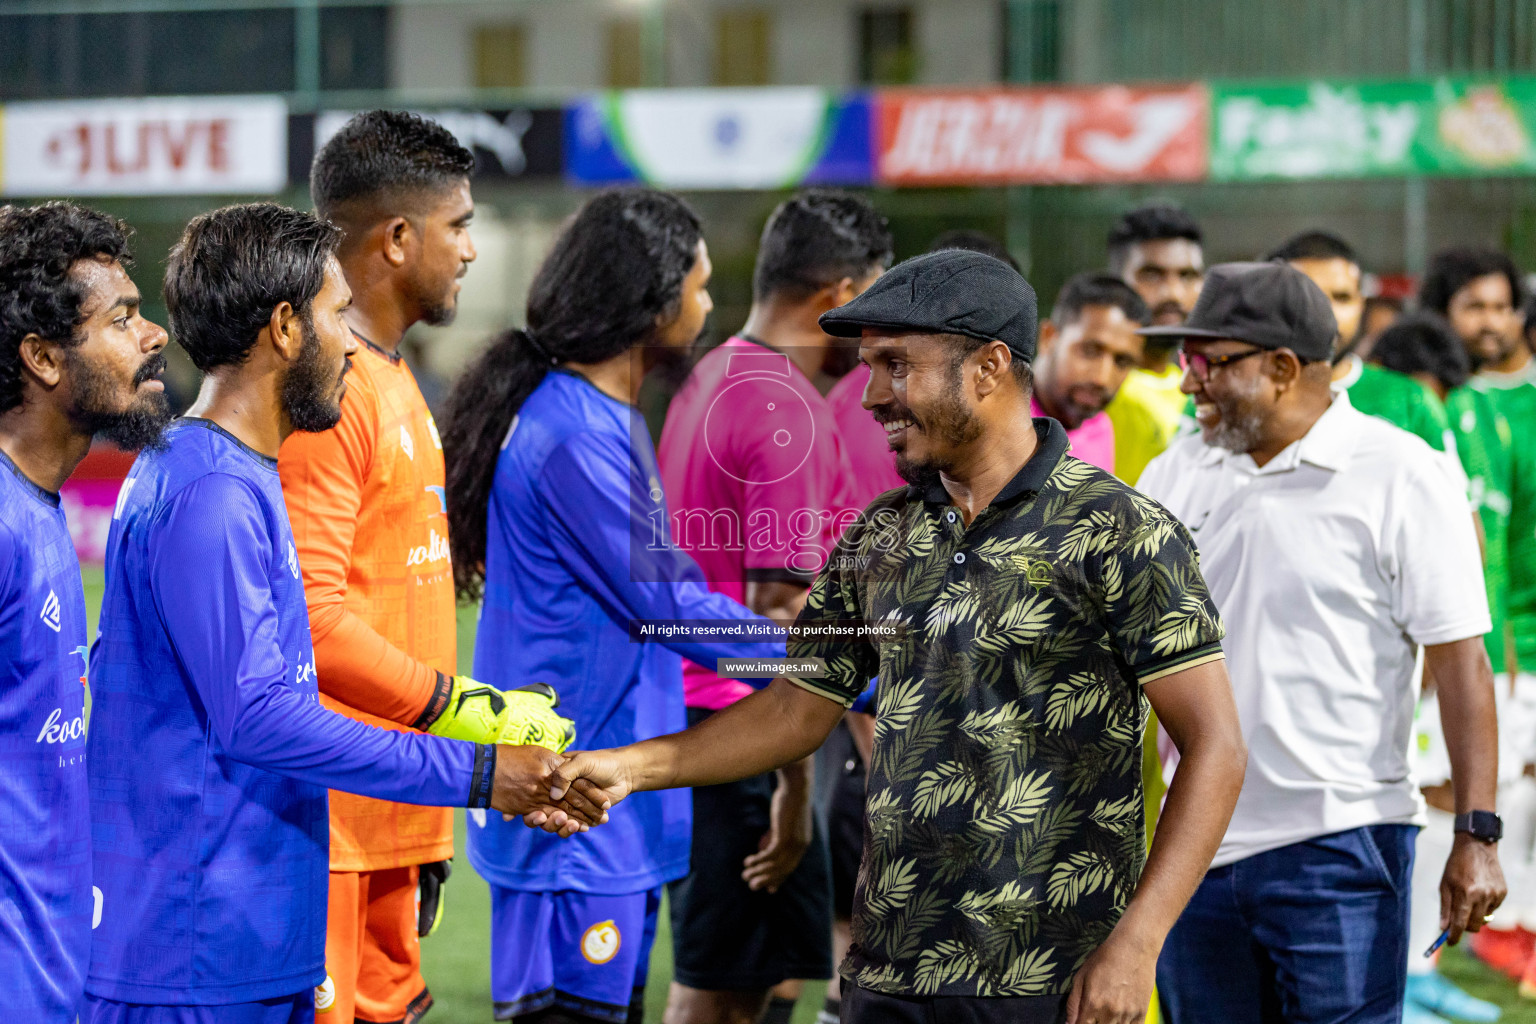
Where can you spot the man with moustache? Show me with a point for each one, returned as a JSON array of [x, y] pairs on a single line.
[[1156, 249], [370, 525], [1087, 348], [1336, 547], [77, 360], [1037, 601], [210, 754]]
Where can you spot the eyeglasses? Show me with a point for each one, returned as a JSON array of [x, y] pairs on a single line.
[[1200, 365]]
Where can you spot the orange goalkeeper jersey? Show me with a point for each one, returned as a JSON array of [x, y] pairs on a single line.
[[370, 524]]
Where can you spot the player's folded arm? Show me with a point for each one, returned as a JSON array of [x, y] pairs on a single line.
[[323, 477], [210, 556]]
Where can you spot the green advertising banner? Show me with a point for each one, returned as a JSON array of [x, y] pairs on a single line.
[[1328, 129]]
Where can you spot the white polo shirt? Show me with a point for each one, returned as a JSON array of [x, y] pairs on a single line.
[[1331, 565]]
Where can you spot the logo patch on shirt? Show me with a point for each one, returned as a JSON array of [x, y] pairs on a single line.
[[293, 560], [1037, 571], [600, 943], [50, 615], [406, 444], [325, 995]]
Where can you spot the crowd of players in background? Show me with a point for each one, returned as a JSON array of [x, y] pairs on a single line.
[[310, 527]]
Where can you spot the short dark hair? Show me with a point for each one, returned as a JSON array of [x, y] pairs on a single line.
[[1314, 245], [1424, 343], [1152, 223], [975, 241], [388, 156], [233, 267], [1451, 270], [817, 238], [38, 246], [1097, 289]]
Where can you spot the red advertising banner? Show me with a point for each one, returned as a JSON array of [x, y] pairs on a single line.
[[1021, 136]]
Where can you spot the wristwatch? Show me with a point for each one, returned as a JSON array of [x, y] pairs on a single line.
[[1484, 825]]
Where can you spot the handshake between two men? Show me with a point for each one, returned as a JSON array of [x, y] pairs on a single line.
[[530, 737], [568, 793]]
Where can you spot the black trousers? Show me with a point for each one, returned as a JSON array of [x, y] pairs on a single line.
[[861, 1006]]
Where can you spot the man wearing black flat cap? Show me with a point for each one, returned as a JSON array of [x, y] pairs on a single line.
[[1036, 605], [1336, 546]]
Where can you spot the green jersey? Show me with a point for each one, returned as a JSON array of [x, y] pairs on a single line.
[[1486, 448], [1514, 394], [1398, 399]]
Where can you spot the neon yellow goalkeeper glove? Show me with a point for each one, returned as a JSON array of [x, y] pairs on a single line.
[[531, 718], [484, 714]]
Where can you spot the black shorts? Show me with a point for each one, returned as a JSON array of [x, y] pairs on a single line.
[[845, 831], [724, 935], [863, 1006]]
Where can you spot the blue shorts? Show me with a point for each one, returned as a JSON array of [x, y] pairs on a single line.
[[298, 1008], [582, 952]]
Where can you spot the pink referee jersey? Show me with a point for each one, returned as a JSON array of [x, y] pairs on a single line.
[[871, 462], [754, 474], [1093, 441]]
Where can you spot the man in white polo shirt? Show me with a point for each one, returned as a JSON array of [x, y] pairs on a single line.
[[1335, 546]]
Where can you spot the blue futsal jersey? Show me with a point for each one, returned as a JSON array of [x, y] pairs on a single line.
[[45, 838], [212, 753], [578, 548]]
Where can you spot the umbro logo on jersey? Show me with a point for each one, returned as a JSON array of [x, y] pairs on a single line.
[[406, 444], [293, 560], [50, 614]]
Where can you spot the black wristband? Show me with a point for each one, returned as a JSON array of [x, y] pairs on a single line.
[[483, 775], [436, 704]]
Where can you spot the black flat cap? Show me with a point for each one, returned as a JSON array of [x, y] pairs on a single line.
[[1271, 305], [953, 291]]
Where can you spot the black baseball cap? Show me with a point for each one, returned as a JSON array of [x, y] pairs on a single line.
[[952, 291], [1271, 305]]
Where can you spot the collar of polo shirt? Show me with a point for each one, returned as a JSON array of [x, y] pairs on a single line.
[[1328, 444], [1052, 443]]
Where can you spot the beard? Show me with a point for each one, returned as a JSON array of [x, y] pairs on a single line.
[[91, 407], [1242, 422], [950, 422], [310, 396], [439, 305], [1489, 348]]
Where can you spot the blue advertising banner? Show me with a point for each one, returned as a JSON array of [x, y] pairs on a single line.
[[719, 138]]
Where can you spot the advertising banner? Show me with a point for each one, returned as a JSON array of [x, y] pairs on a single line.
[[1014, 136], [227, 145], [515, 143], [719, 138], [1365, 129]]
